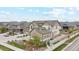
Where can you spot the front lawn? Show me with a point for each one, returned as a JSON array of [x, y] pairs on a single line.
[[17, 45], [5, 48], [31, 44]]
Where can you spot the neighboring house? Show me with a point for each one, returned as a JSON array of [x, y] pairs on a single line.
[[25, 27], [42, 33], [3, 24], [19, 27], [77, 26], [14, 27], [64, 26], [70, 25]]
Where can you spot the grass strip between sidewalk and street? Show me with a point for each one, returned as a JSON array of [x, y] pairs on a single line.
[[59, 48]]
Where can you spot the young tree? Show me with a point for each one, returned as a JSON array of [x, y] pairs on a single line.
[[35, 43]]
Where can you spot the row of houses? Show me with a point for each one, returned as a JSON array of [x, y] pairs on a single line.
[[17, 27], [43, 29]]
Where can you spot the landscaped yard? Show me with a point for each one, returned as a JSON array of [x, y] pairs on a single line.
[[59, 48], [32, 44], [5, 48]]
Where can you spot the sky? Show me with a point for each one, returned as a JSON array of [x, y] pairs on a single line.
[[39, 13]]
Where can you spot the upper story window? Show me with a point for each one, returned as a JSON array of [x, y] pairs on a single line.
[[56, 26]]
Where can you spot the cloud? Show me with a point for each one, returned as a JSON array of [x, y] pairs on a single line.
[[7, 16], [37, 10], [30, 10], [46, 12], [72, 12], [55, 11], [5, 12]]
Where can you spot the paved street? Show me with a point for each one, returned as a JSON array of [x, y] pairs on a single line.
[[74, 46]]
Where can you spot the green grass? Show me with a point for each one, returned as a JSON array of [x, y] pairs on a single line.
[[17, 45], [59, 48], [5, 48]]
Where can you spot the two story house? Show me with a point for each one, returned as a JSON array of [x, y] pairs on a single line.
[[18, 27], [51, 25], [69, 25]]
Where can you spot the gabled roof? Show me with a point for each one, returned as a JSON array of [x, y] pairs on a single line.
[[69, 23], [50, 22]]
